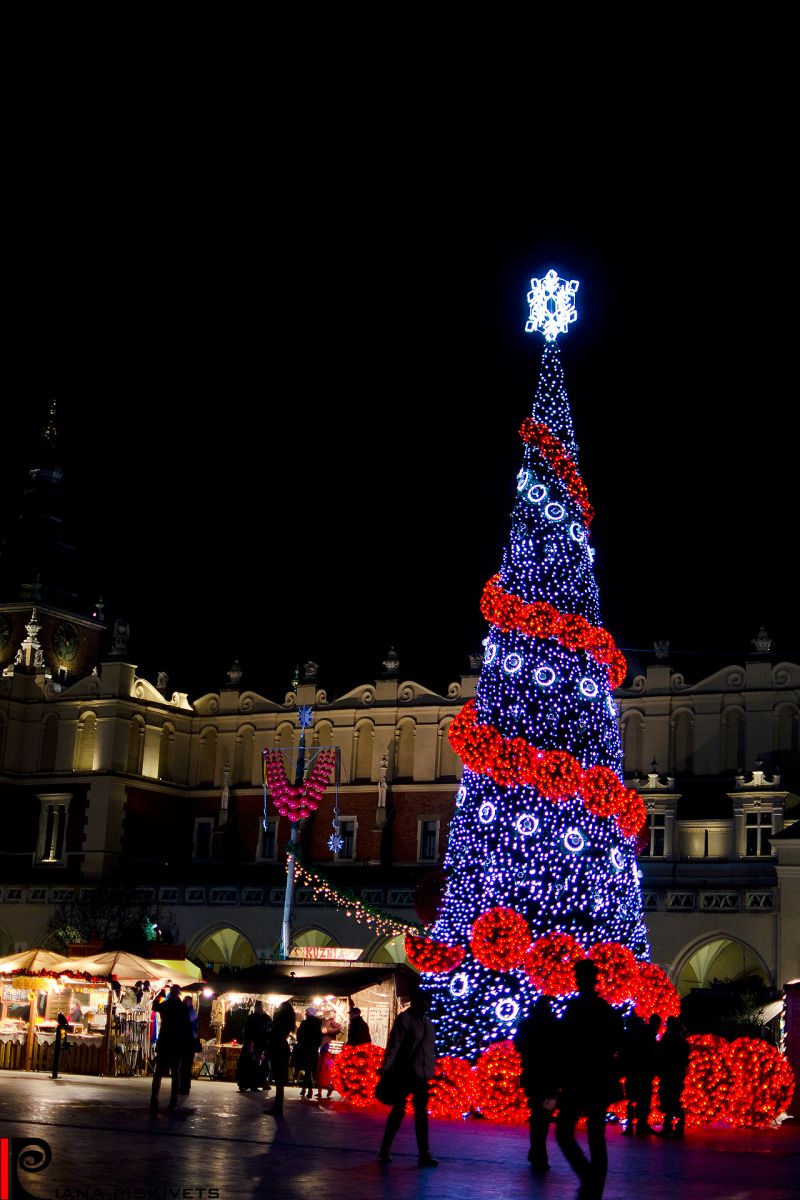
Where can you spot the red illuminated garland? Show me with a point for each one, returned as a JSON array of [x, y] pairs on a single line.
[[453, 1089], [500, 938], [426, 954], [355, 1073], [297, 801], [540, 619], [554, 773], [552, 450], [66, 972], [550, 963], [655, 994], [499, 1096]]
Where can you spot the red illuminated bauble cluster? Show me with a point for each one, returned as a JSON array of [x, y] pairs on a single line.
[[499, 939], [355, 1073], [763, 1083], [556, 774], [297, 801], [709, 1080], [498, 1094], [453, 1089], [618, 971], [552, 451], [426, 954], [550, 964], [540, 619], [655, 994]]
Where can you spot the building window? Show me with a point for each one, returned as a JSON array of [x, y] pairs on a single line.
[[203, 828], [757, 831], [427, 841], [268, 840], [347, 831], [656, 828], [51, 844]]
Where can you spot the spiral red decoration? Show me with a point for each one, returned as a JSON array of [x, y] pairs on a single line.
[[550, 963], [618, 971], [540, 619], [655, 994], [355, 1073], [554, 773], [453, 1089], [554, 452], [499, 939], [426, 954], [499, 1096]]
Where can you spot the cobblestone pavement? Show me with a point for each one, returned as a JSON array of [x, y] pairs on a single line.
[[107, 1146]]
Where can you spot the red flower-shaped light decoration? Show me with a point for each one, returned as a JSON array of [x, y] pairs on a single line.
[[499, 939], [453, 1089], [297, 801], [426, 954], [355, 1073], [709, 1080], [499, 1096], [550, 963], [618, 971], [763, 1083], [654, 993]]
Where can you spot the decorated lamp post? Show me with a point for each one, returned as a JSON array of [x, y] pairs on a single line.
[[297, 801]]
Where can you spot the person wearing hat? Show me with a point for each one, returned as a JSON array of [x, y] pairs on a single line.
[[590, 1044], [358, 1033], [306, 1051]]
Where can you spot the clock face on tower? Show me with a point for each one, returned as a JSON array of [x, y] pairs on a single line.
[[5, 631], [65, 641]]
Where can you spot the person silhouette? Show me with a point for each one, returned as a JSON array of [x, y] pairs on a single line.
[[590, 1041], [535, 1041]]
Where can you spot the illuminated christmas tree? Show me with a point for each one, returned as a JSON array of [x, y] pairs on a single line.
[[541, 865]]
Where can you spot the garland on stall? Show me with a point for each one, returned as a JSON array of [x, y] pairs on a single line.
[[554, 773], [33, 979], [323, 890], [534, 433], [540, 619]]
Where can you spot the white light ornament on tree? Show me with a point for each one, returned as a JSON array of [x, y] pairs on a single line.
[[552, 302]]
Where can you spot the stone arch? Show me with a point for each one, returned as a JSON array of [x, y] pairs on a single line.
[[448, 764], [386, 950], [166, 747], [733, 748], [363, 739], [136, 736], [222, 946], [243, 753], [313, 935], [48, 743], [786, 734], [207, 761], [404, 735], [85, 738], [633, 741], [716, 955], [682, 736], [323, 733]]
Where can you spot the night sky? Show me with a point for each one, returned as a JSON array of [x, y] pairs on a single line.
[[289, 438]]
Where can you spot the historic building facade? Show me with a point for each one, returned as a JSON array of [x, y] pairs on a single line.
[[106, 779]]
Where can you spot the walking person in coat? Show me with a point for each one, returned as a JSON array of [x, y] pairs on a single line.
[[283, 1023], [175, 1041], [358, 1033], [672, 1063], [590, 1043], [306, 1051], [410, 1057], [252, 1066], [187, 1060], [536, 1043]]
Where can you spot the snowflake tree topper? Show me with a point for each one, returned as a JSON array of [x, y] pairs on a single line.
[[552, 302]]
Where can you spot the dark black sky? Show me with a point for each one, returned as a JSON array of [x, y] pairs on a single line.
[[290, 429]]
